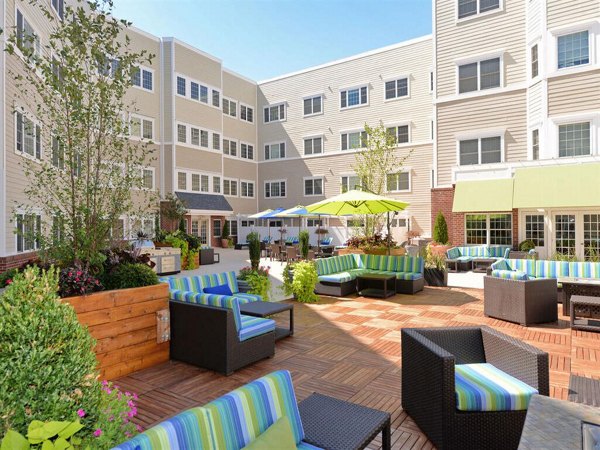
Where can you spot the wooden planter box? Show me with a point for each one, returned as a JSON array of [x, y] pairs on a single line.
[[127, 325]]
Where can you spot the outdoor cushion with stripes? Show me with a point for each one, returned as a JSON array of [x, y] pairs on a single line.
[[510, 274], [551, 269], [408, 275], [254, 326], [484, 387]]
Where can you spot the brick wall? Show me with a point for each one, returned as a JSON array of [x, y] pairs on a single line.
[[8, 262], [441, 201], [515, 224]]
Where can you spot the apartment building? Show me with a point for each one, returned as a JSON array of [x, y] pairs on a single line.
[[517, 112]]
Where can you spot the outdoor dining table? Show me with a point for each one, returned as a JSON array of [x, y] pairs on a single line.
[[578, 286]]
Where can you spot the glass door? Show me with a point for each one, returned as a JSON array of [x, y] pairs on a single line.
[[564, 234], [591, 237]]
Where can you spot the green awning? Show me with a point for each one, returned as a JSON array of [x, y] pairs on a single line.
[[483, 196], [557, 186]]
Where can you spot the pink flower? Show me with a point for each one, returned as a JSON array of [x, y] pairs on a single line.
[[81, 412], [98, 432], [104, 383], [135, 397], [9, 281], [139, 428], [79, 273]]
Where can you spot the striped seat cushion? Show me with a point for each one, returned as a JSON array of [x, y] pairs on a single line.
[[249, 297], [242, 415], [524, 265], [483, 387], [254, 326], [584, 269], [498, 251], [188, 430], [408, 275], [412, 264], [501, 264], [379, 262], [335, 264], [510, 274], [199, 282], [306, 446], [340, 277], [551, 269], [465, 258]]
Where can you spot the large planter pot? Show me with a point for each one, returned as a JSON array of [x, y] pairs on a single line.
[[349, 251], [131, 327], [397, 252], [225, 243], [439, 249], [436, 277]]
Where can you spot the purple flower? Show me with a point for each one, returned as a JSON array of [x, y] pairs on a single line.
[[81, 412], [98, 432]]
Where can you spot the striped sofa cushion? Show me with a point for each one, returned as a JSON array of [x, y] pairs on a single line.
[[453, 253], [254, 326], [584, 269], [413, 264], [408, 275], [524, 265], [551, 269], [476, 251], [335, 264], [246, 298], [379, 262], [510, 274], [199, 282], [501, 264], [483, 387], [187, 430], [498, 251], [242, 415]]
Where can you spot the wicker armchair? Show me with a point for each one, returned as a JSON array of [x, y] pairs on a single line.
[[520, 301], [428, 393]]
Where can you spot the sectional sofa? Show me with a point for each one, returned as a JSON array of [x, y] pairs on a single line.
[[462, 258], [337, 275], [208, 329]]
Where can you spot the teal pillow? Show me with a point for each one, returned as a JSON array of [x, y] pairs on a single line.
[[278, 436]]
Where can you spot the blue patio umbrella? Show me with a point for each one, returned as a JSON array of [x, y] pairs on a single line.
[[300, 211], [267, 214]]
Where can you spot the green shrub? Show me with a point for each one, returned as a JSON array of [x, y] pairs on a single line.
[[440, 229], [46, 358], [225, 230], [526, 245], [6, 277], [130, 275], [260, 284], [254, 249], [304, 237], [288, 279], [191, 259], [305, 279]]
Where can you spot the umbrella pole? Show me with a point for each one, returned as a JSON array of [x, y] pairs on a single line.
[[388, 233]]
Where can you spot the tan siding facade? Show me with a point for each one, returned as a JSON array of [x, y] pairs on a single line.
[[565, 12], [574, 93]]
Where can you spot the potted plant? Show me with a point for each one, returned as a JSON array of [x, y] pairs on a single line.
[[436, 273], [225, 235], [304, 246], [303, 280], [254, 249], [440, 235]]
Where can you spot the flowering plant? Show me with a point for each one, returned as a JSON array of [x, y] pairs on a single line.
[[258, 280], [118, 410], [245, 271], [77, 280]]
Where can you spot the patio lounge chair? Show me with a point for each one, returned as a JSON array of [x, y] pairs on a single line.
[[430, 361]]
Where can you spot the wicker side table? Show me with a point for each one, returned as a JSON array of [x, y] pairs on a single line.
[[338, 425], [585, 313]]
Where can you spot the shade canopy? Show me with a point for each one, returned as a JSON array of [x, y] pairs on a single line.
[[563, 186], [298, 211], [483, 196], [356, 202], [266, 214]]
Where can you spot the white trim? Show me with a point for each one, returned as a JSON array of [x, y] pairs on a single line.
[[36, 124], [231, 180], [405, 123], [313, 137], [273, 105], [408, 78], [281, 180], [188, 137], [477, 15], [230, 101], [274, 143], [153, 169], [540, 61], [479, 59], [252, 182], [479, 136], [311, 97], [554, 123], [404, 169], [141, 137], [313, 177], [240, 143], [245, 105], [348, 132], [3, 215], [593, 29], [141, 86], [485, 93], [352, 88], [201, 84]]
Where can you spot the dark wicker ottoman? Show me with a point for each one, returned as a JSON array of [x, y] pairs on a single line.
[[334, 424]]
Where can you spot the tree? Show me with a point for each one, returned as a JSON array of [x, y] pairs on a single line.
[[440, 229], [374, 164], [72, 98]]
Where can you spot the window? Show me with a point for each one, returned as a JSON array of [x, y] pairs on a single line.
[[181, 86], [229, 147], [314, 222], [181, 133], [246, 151], [313, 146], [229, 107], [574, 139], [195, 91], [204, 183], [479, 76], [59, 7], [217, 185], [27, 39], [534, 61], [195, 136], [431, 81], [573, 49], [141, 128], [196, 182], [534, 229], [142, 78], [396, 88], [354, 140], [29, 136], [247, 223], [400, 134], [275, 113], [204, 138], [246, 113], [275, 151], [217, 227], [313, 105], [181, 181], [313, 187], [398, 182], [28, 230], [274, 189], [535, 144], [58, 153], [491, 229], [203, 231], [233, 228], [468, 8], [195, 228], [148, 179], [216, 98], [350, 182], [350, 98], [247, 189], [216, 141], [480, 151], [230, 187]]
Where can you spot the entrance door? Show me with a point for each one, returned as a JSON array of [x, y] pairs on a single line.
[[591, 236], [565, 227], [577, 234]]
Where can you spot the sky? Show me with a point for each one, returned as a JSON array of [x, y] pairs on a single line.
[[261, 39]]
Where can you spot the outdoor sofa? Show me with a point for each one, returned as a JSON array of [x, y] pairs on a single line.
[[208, 330], [457, 384], [337, 275], [463, 258]]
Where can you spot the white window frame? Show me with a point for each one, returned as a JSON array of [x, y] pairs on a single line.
[[275, 181], [275, 143], [481, 135], [312, 137], [248, 182], [406, 170], [540, 60], [313, 178], [240, 150], [188, 181], [229, 102], [395, 79], [188, 91], [141, 86], [56, 11], [38, 42], [230, 180], [245, 105], [141, 119], [478, 14], [488, 229], [478, 59], [347, 132], [593, 29], [352, 88], [228, 153], [188, 137], [36, 124], [273, 105], [153, 170], [38, 223], [401, 124], [311, 97], [592, 116], [348, 175]]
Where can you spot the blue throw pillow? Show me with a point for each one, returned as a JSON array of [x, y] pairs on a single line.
[[222, 289]]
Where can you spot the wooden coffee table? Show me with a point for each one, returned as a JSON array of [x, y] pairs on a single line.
[[376, 285]]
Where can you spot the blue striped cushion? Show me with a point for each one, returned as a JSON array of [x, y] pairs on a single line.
[[242, 415], [509, 274], [409, 264], [551, 269], [584, 269], [408, 275], [254, 326], [498, 251], [483, 387], [306, 446], [453, 253], [524, 265], [247, 298], [380, 262], [340, 277], [501, 264]]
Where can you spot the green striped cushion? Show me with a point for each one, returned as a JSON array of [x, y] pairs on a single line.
[[498, 251], [551, 269], [254, 326], [524, 265], [409, 264], [242, 415], [453, 253], [483, 387], [501, 265], [584, 269], [509, 274], [408, 275], [479, 251], [380, 262]]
